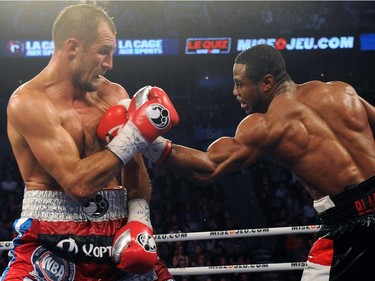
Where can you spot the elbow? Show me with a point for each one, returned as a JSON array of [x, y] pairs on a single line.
[[204, 180], [79, 188], [78, 191], [205, 176]]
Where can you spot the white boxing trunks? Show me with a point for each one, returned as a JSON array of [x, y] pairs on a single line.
[[60, 239]]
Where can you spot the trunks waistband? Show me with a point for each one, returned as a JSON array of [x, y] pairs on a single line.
[[356, 201], [48, 205]]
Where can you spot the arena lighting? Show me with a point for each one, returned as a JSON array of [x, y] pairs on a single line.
[[367, 42], [45, 48], [208, 45], [158, 46], [196, 46], [300, 43]]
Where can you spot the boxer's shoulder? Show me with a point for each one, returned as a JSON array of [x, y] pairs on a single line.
[[110, 92]]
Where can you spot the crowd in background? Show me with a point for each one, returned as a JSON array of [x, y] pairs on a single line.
[[274, 198], [174, 18], [178, 205], [182, 206]]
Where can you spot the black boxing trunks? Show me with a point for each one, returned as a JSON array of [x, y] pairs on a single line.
[[59, 239], [345, 248]]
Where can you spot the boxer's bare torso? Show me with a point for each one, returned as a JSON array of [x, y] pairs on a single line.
[[75, 120], [321, 131], [322, 134]]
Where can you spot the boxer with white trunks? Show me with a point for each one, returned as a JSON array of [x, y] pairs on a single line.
[[61, 239], [76, 224]]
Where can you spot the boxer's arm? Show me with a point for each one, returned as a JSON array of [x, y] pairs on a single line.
[[37, 121], [135, 178], [227, 154], [134, 248], [370, 110]]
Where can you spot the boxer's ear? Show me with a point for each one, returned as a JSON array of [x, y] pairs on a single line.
[[71, 46], [266, 83]]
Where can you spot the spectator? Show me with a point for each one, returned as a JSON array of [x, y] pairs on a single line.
[[180, 259], [195, 255], [4, 259], [4, 231], [9, 184]]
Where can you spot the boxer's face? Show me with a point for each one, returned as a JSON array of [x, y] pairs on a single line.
[[246, 92], [94, 60]]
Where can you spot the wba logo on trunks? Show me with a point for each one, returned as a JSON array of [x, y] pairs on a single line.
[[365, 205], [52, 265]]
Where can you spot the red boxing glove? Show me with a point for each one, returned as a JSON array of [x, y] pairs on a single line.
[[134, 248], [158, 150], [152, 112], [162, 272], [113, 120]]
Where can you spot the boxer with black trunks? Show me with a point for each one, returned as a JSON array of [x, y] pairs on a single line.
[[72, 141], [324, 134], [344, 249]]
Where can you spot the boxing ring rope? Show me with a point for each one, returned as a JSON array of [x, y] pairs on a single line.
[[227, 234], [244, 268], [239, 233]]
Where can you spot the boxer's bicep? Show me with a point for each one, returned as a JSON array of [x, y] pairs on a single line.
[[49, 142], [238, 152], [56, 151], [226, 154]]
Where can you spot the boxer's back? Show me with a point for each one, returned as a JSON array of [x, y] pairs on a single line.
[[325, 138]]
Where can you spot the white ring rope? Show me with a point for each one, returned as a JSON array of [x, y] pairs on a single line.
[[220, 269], [225, 234], [221, 234]]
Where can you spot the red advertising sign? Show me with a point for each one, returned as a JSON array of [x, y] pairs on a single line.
[[208, 45]]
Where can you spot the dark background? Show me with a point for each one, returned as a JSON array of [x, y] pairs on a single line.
[[200, 86], [183, 76], [32, 20]]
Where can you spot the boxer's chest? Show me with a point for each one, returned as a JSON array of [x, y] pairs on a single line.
[[81, 122]]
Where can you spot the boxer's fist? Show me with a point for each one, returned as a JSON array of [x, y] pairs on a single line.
[[113, 119], [150, 114], [134, 248]]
